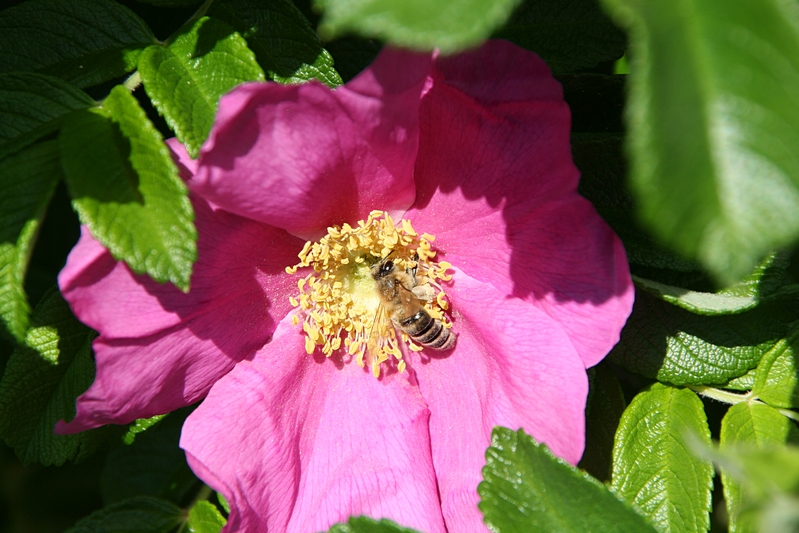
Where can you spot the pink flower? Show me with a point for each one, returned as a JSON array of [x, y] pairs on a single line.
[[471, 149]]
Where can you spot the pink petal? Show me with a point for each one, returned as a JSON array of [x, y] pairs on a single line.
[[148, 376], [499, 71], [186, 165], [497, 186], [160, 349], [297, 443], [512, 366], [304, 157]]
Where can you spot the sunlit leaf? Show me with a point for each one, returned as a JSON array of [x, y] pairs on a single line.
[[125, 188], [652, 467]]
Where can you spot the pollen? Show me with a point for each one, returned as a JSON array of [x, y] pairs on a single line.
[[337, 303]]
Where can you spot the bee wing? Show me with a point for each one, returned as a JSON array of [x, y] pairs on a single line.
[[380, 324], [381, 341]]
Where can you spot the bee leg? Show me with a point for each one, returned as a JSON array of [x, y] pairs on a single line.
[[424, 292], [412, 271]]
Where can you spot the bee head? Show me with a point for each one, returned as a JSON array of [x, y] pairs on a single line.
[[386, 268], [383, 268]]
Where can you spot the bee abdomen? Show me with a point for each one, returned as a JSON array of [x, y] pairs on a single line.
[[428, 331]]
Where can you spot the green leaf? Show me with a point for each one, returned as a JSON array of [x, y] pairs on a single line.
[[154, 465], [143, 514], [31, 106], [449, 25], [777, 376], [742, 383], [41, 381], [756, 425], [567, 35], [602, 414], [140, 425], [766, 469], [27, 182], [526, 488], [714, 126], [283, 41], [85, 42], [125, 188], [652, 468], [364, 524], [185, 80], [223, 502], [702, 303], [767, 281], [204, 517], [769, 474], [670, 344], [763, 284]]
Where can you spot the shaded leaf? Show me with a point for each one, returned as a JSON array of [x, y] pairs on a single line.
[[671, 344], [32, 105], [125, 188], [568, 35], [85, 42], [41, 381], [27, 182], [714, 126], [143, 514], [154, 465], [603, 411], [283, 41]]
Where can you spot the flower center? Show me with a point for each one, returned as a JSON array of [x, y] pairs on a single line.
[[366, 279]]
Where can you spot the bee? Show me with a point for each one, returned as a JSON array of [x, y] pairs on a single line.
[[401, 301]]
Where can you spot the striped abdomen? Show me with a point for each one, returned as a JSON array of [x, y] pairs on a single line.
[[427, 331]]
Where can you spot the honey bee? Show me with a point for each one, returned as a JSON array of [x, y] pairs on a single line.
[[401, 301]]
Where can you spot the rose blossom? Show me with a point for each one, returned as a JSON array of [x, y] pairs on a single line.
[[466, 156]]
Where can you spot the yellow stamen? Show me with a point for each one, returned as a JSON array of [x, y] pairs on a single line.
[[337, 299]]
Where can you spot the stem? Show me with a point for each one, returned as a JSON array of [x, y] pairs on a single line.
[[793, 415], [722, 396], [732, 398], [133, 81], [203, 494]]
